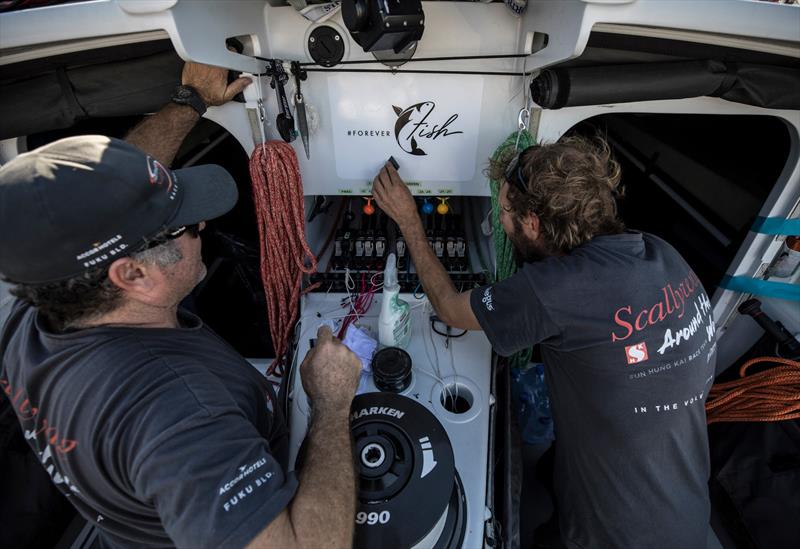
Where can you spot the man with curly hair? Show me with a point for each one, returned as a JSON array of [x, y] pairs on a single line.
[[626, 334]]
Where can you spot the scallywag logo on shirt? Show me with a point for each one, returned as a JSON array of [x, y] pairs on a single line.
[[702, 307], [681, 330], [684, 315], [672, 301], [636, 353], [47, 438]]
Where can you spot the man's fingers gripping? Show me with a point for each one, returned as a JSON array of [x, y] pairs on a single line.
[[236, 87]]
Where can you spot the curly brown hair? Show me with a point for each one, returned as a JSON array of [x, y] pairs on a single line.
[[572, 186]]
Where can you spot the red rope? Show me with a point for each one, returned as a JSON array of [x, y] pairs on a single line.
[[771, 395], [285, 254]]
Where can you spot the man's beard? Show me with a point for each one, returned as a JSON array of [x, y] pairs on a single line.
[[525, 249]]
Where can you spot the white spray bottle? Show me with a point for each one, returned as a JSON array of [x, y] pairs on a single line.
[[394, 322]]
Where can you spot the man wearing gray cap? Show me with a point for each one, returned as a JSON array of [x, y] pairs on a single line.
[[153, 427]]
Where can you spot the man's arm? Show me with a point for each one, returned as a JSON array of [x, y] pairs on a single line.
[[161, 135], [322, 512], [394, 198]]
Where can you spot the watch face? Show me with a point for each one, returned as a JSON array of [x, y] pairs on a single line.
[[185, 95]]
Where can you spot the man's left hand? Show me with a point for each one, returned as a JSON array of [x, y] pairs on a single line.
[[211, 83]]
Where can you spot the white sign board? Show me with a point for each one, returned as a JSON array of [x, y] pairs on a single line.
[[429, 126]]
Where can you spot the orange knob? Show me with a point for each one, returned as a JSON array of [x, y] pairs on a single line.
[[442, 208], [369, 209]]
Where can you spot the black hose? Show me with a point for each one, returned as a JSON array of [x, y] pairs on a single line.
[[759, 85]]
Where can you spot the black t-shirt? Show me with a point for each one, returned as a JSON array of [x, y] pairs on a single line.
[[627, 336], [161, 437]]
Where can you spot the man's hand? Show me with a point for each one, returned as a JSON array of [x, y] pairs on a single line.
[[211, 83], [161, 135], [394, 198], [330, 372]]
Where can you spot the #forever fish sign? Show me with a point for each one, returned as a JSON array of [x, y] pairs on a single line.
[[434, 121], [413, 123]]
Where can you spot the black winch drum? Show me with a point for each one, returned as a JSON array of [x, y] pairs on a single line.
[[409, 495], [391, 370]]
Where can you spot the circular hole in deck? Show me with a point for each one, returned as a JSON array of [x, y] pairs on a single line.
[[456, 398]]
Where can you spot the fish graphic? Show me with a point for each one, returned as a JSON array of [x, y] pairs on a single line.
[[417, 113]]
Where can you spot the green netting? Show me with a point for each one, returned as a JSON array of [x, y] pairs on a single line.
[[503, 249]]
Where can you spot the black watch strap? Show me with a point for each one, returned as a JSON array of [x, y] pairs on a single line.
[[187, 95]]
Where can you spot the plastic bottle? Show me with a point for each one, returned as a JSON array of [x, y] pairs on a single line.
[[394, 322]]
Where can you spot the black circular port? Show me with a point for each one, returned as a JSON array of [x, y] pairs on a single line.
[[391, 370], [326, 46], [384, 458], [456, 398]]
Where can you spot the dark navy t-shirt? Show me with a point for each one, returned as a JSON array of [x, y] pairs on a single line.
[[627, 336], [160, 437]]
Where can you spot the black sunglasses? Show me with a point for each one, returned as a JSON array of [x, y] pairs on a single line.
[[172, 234], [513, 173]]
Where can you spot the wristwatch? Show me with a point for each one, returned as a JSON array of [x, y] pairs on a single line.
[[187, 95]]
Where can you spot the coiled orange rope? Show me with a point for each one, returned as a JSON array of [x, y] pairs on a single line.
[[285, 254], [771, 395]]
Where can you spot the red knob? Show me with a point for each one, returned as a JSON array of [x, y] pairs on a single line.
[[369, 209]]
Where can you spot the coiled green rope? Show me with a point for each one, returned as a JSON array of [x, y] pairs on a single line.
[[503, 249]]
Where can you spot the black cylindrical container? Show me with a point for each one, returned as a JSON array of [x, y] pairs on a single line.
[[391, 369]]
